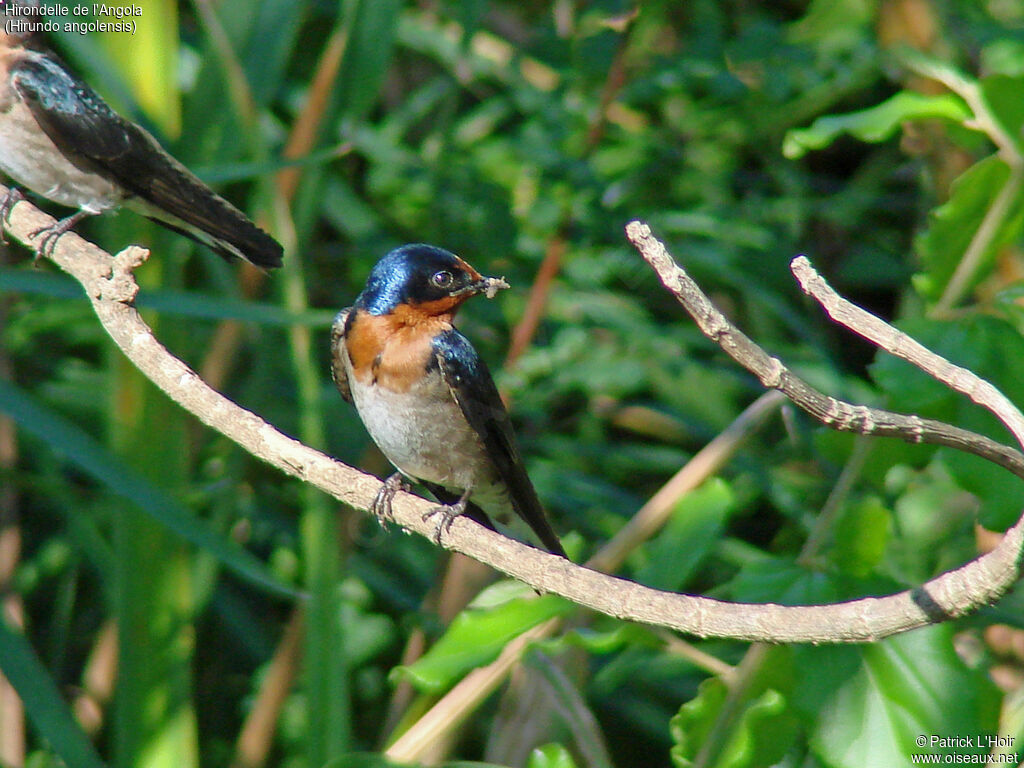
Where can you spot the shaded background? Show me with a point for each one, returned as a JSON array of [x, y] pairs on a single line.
[[154, 565]]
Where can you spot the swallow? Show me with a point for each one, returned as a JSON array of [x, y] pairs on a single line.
[[425, 395], [59, 139]]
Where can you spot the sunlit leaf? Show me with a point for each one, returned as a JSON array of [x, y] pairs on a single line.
[[875, 124], [954, 226], [550, 756], [476, 636], [869, 704], [761, 729]]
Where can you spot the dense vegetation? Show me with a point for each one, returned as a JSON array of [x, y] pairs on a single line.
[[158, 569]]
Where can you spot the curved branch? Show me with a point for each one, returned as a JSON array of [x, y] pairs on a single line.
[[111, 288], [833, 413]]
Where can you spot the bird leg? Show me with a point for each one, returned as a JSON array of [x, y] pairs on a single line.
[[381, 506], [48, 236], [448, 514], [12, 197]]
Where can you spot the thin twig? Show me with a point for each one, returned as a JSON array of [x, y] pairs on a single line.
[[897, 343], [256, 737], [836, 498], [833, 413]]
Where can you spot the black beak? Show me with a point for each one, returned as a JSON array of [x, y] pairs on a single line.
[[489, 286]]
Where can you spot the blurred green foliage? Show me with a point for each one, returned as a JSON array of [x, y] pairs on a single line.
[[882, 138]]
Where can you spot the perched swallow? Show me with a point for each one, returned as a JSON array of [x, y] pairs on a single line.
[[62, 141], [426, 397]]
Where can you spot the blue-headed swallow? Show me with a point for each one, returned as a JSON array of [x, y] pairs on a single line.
[[59, 139], [426, 397]]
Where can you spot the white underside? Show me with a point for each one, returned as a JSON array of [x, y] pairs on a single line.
[[424, 434], [31, 160]]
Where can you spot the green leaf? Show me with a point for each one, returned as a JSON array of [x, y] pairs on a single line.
[[998, 492], [148, 61], [372, 29], [868, 704], [598, 643], [835, 24], [862, 533], [953, 225], [43, 703], [695, 525], [755, 731], [875, 124], [1002, 97], [994, 350], [550, 756], [66, 439], [1004, 56], [778, 580], [475, 638]]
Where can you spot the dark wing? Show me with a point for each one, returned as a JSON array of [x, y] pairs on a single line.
[[95, 138], [473, 389], [338, 353]]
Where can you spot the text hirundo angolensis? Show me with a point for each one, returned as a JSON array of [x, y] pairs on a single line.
[[59, 139], [426, 397]]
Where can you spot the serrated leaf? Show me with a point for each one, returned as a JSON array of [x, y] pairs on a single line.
[[875, 124], [475, 638]]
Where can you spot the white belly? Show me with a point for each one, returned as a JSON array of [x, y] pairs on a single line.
[[423, 432], [29, 157]]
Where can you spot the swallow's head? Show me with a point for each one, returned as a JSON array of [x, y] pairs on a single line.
[[424, 279]]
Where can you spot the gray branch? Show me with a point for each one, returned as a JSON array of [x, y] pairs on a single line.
[[111, 287], [956, 592]]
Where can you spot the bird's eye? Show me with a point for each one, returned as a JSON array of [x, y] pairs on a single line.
[[443, 279]]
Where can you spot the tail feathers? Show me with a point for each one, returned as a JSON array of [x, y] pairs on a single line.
[[169, 193], [261, 250]]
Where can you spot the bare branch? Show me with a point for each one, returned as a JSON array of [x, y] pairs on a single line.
[[833, 413], [897, 343], [955, 592], [111, 288]]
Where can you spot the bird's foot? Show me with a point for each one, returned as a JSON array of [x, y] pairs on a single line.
[[48, 236], [448, 513], [381, 506], [12, 197]]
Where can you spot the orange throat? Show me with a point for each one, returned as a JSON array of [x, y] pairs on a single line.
[[394, 350]]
